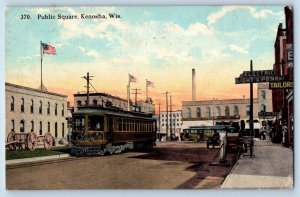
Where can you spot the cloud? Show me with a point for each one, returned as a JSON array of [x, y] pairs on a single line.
[[214, 17], [238, 49], [93, 53]]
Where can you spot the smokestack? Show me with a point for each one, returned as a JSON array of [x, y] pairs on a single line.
[[193, 85]]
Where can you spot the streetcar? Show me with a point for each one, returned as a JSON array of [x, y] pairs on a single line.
[[202, 133], [101, 130]]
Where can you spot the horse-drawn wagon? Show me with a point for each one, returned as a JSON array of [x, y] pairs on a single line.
[[22, 141]]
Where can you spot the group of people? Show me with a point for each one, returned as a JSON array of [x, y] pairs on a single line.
[[277, 137]]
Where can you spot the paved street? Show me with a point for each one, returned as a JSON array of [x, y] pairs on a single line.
[[272, 167], [170, 165]]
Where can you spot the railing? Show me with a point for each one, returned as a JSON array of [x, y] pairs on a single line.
[[213, 118]]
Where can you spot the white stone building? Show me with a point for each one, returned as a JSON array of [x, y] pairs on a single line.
[[208, 112], [170, 122], [30, 110]]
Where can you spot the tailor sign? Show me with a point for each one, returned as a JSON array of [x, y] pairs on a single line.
[[281, 85], [258, 76]]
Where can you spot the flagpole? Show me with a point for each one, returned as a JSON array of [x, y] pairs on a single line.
[[41, 49], [146, 90], [146, 96], [128, 93]]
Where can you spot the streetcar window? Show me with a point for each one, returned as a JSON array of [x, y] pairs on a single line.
[[96, 123], [78, 123]]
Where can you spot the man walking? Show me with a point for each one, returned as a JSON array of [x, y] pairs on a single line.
[[284, 134]]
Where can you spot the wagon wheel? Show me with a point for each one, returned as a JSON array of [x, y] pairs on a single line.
[[32, 141], [48, 141], [9, 139]]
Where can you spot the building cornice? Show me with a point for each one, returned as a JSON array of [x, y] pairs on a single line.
[[33, 89]]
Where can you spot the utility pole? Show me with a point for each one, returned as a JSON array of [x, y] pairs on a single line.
[[88, 79], [136, 93], [159, 136], [171, 122], [167, 110], [251, 103]]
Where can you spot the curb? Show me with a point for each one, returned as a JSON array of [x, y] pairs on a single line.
[[228, 176], [34, 159]]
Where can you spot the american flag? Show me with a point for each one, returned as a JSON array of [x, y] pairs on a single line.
[[48, 49], [132, 79], [150, 84]]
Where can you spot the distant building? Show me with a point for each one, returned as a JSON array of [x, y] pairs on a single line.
[[172, 120], [104, 99], [30, 110], [208, 112]]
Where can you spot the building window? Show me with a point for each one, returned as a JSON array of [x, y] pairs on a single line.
[[22, 126], [63, 110], [236, 110], [162, 124], [49, 127], [227, 111], [41, 107], [48, 108], [63, 130], [95, 102], [32, 126], [263, 94], [12, 125], [31, 106], [218, 109], [263, 108], [22, 105], [41, 128], [208, 112], [248, 110], [12, 103], [162, 115], [55, 109], [189, 113], [177, 124], [55, 129], [78, 103], [198, 112]]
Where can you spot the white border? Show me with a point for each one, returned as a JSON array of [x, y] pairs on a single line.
[[125, 193]]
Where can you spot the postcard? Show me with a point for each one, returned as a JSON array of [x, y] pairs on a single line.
[[149, 97]]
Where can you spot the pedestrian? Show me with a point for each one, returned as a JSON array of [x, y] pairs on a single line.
[[284, 133]]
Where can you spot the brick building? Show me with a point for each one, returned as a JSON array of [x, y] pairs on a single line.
[[104, 99], [283, 99]]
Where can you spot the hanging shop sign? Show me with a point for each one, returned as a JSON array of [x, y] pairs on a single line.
[[281, 85], [268, 114]]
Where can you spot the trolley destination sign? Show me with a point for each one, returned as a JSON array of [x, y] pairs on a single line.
[[258, 76]]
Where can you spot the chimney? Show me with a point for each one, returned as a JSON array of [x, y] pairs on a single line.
[[193, 85]]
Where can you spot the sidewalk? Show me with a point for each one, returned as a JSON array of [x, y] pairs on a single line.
[[34, 159], [272, 167]]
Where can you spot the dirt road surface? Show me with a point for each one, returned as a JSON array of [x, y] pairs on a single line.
[[171, 165]]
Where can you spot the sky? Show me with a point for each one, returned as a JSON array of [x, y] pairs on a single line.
[[160, 44]]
